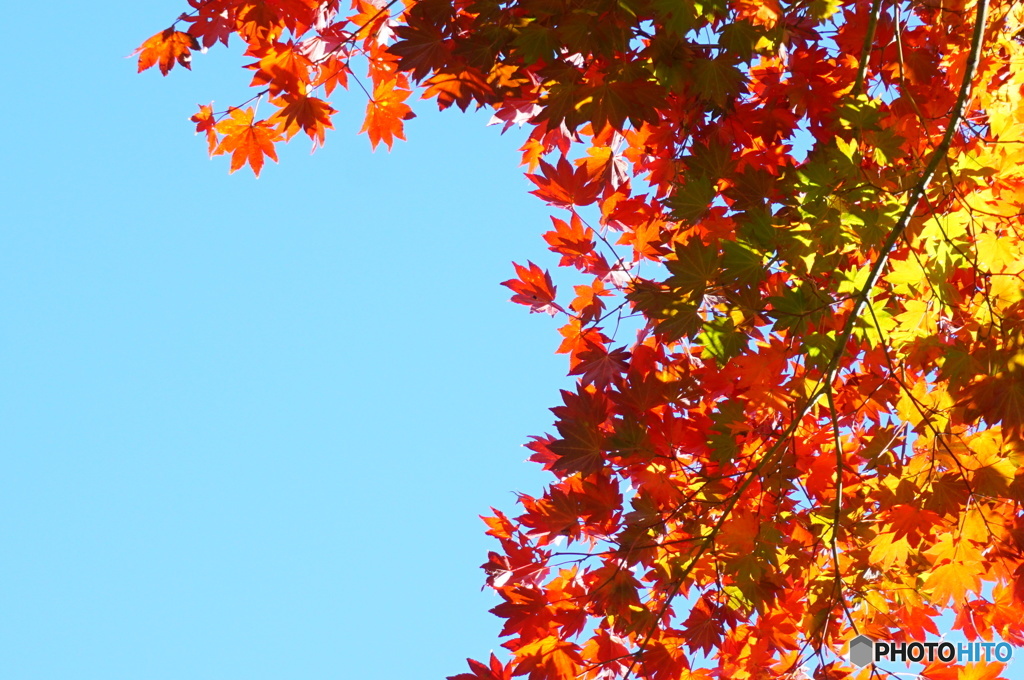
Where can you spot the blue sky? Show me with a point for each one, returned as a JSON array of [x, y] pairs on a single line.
[[248, 425]]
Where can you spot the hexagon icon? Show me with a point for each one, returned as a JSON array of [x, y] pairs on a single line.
[[862, 650]]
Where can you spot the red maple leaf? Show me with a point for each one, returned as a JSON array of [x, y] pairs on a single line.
[[600, 367], [572, 240], [564, 186], [493, 671], [205, 122], [534, 289], [213, 20]]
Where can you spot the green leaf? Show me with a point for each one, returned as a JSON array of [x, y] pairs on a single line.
[[692, 199], [717, 80], [742, 262], [677, 17], [823, 9], [721, 340], [754, 225], [740, 38], [847, 148], [790, 310], [678, 320], [866, 330], [860, 113], [712, 159], [674, 312], [851, 282], [957, 365], [721, 438], [695, 265], [819, 348], [536, 43]]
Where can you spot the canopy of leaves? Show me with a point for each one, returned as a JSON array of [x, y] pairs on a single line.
[[811, 211]]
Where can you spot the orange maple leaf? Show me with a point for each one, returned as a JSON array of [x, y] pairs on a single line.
[[458, 88], [952, 581], [165, 48], [981, 670], [301, 112], [282, 69], [385, 113], [247, 140], [205, 122], [588, 303], [549, 659]]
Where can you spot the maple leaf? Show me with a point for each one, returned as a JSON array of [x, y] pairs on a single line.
[[572, 240], [205, 122], [583, 440], [373, 20], [247, 141], [588, 303], [526, 611], [562, 186], [982, 670], [332, 73], [492, 671], [258, 23], [213, 20], [515, 112], [764, 12], [629, 94], [385, 113], [912, 522], [459, 88], [309, 114], [600, 367], [952, 581], [533, 288], [499, 525], [703, 628], [283, 68], [165, 48], [421, 42], [602, 161], [548, 659]]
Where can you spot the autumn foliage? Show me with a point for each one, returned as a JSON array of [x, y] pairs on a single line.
[[797, 317]]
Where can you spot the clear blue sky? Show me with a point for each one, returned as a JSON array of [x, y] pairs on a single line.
[[248, 425]]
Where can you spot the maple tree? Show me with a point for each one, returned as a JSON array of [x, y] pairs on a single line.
[[810, 212]]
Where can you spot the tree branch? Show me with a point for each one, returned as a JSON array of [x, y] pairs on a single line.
[[916, 193], [865, 51]]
